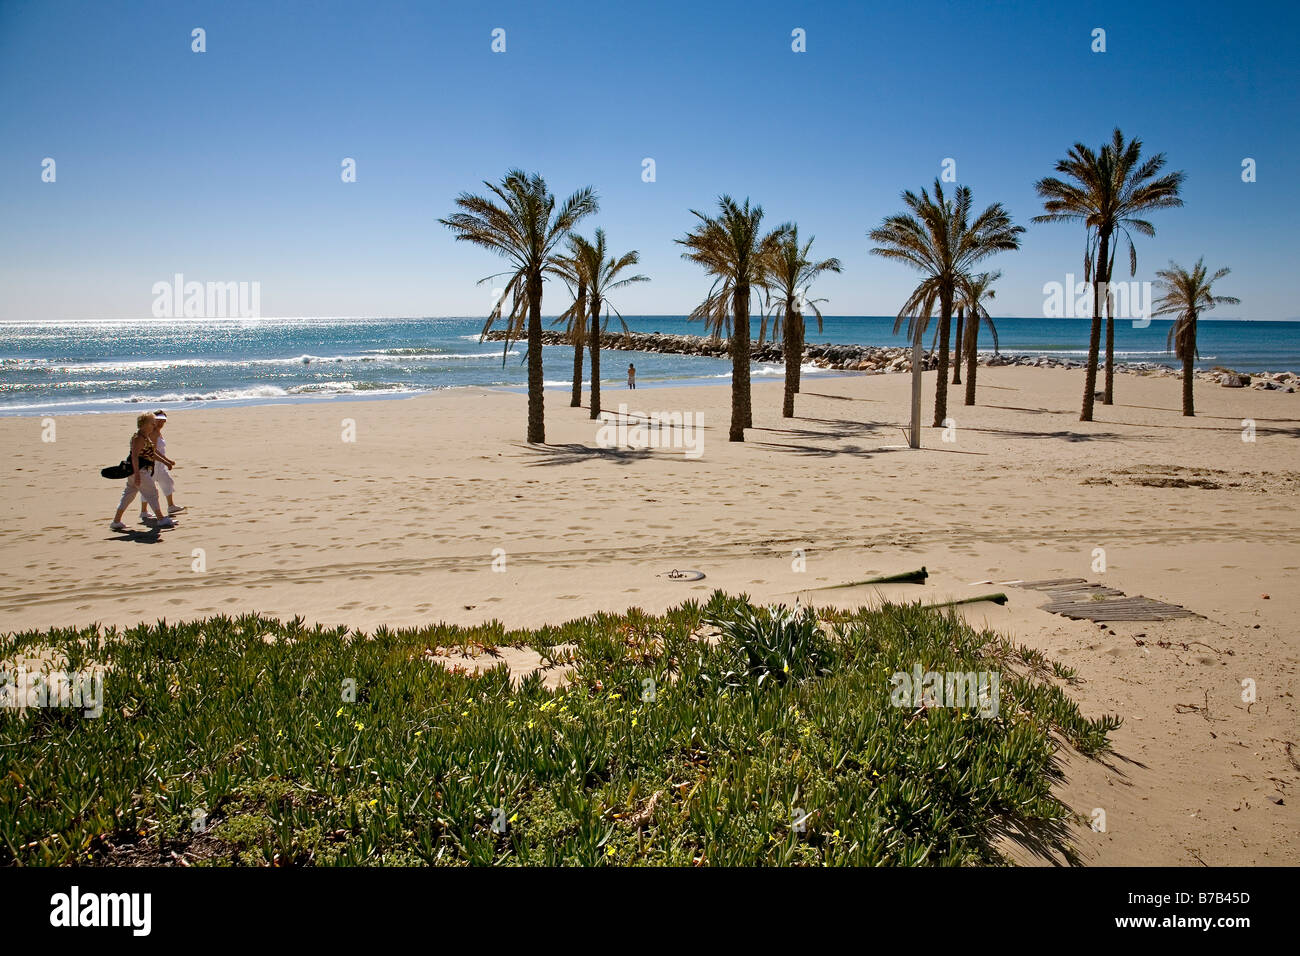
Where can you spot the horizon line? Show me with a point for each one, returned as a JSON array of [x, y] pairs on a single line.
[[638, 315]]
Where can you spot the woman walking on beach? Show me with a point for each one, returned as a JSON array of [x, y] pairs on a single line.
[[162, 477], [140, 481]]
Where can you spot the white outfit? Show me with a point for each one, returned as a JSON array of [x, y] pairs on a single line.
[[161, 476]]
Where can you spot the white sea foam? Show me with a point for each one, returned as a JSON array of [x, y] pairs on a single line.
[[164, 364]]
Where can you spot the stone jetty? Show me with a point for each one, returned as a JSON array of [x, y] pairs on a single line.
[[877, 360]]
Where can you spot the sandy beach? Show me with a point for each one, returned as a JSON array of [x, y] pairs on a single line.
[[403, 525]]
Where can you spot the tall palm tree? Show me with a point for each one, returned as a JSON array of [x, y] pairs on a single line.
[[731, 247], [1186, 295], [574, 318], [790, 277], [523, 225], [602, 271], [975, 291], [1108, 192], [939, 239]]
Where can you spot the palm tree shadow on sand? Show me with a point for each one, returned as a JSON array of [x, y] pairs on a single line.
[[575, 452], [822, 451], [1060, 434], [838, 429]]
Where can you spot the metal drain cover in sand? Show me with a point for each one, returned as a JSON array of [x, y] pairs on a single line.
[[1079, 599]]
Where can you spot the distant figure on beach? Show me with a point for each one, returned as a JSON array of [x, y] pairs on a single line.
[[631, 375], [142, 457], [162, 478]]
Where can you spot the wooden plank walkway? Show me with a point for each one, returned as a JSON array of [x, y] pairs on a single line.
[[1079, 599]]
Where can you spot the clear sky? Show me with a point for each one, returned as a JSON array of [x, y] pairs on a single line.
[[225, 165]]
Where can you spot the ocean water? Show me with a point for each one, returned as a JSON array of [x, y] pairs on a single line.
[[115, 365]]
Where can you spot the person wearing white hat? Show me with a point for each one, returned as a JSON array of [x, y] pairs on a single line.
[[161, 475], [141, 460]]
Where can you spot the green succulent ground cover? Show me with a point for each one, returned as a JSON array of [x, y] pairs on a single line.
[[717, 734]]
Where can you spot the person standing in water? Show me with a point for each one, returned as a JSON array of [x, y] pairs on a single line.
[[631, 375], [142, 456], [161, 476]]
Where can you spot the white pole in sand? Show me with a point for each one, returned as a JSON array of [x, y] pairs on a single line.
[[915, 439]]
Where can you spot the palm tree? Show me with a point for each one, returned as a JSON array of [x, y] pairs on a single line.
[[790, 276], [938, 239], [975, 290], [1108, 193], [732, 249], [525, 228], [574, 318], [1186, 295], [602, 273]]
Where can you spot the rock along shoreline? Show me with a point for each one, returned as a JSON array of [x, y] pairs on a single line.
[[881, 360]]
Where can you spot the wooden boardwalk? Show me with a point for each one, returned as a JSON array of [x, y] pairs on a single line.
[[1079, 599]]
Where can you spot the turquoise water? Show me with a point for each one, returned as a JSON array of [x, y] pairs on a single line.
[[111, 365]]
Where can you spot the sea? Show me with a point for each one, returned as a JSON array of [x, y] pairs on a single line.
[[114, 365]]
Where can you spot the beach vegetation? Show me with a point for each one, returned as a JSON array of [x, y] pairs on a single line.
[[717, 733]]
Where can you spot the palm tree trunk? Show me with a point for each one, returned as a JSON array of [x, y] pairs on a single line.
[[536, 408], [578, 345], [798, 351], [957, 343], [1189, 409], [1109, 398], [593, 336], [740, 403], [792, 357], [941, 387], [972, 355], [1094, 339]]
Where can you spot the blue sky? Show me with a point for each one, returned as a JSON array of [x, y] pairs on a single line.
[[225, 165]]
